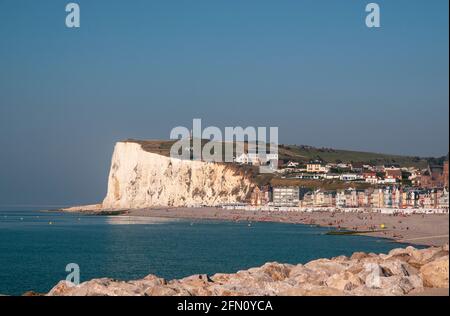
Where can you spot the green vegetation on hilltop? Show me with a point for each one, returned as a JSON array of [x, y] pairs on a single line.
[[302, 153], [307, 153]]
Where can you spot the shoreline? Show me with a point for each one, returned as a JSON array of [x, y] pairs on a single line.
[[414, 229]]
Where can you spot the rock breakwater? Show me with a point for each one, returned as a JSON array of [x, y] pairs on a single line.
[[400, 272]]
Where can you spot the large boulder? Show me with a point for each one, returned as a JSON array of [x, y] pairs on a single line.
[[106, 287], [400, 285], [196, 285], [397, 267], [62, 288], [359, 255], [344, 281], [166, 290], [435, 273], [313, 291], [372, 275], [276, 271], [300, 275], [394, 278], [421, 257], [330, 267]]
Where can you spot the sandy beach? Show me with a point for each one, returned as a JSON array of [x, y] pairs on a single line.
[[428, 230]]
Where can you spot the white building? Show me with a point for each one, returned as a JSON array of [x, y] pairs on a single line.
[[270, 157], [389, 180], [286, 196], [350, 177], [340, 199], [316, 167], [255, 158], [292, 164], [443, 200], [242, 159], [310, 176], [373, 179]]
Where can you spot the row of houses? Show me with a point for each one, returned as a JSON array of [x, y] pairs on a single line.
[[387, 197], [431, 177], [369, 177], [322, 167]]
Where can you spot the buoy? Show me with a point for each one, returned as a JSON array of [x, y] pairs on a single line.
[[50, 223]]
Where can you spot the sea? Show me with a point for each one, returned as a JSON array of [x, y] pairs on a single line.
[[37, 246]]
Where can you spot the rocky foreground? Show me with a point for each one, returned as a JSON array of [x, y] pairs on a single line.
[[401, 272]]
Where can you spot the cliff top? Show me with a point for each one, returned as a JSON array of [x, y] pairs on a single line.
[[303, 153], [161, 147]]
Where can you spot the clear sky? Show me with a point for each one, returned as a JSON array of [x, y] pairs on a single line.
[[136, 69]]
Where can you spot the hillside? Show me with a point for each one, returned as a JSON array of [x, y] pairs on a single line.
[[303, 153]]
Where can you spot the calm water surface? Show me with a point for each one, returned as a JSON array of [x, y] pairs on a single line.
[[35, 247]]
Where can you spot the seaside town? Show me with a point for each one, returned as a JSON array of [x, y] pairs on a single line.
[[382, 187]]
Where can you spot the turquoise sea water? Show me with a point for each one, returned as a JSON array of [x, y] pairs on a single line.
[[35, 247]]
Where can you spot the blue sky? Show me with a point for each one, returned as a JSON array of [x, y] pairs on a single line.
[[136, 69]]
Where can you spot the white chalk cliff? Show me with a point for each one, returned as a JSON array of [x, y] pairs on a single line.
[[140, 179]]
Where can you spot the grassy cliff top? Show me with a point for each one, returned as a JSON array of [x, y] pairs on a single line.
[[161, 147], [302, 154]]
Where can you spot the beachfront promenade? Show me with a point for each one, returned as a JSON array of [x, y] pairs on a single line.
[[339, 209]]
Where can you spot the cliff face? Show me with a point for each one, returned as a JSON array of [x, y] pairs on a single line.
[[141, 179]]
